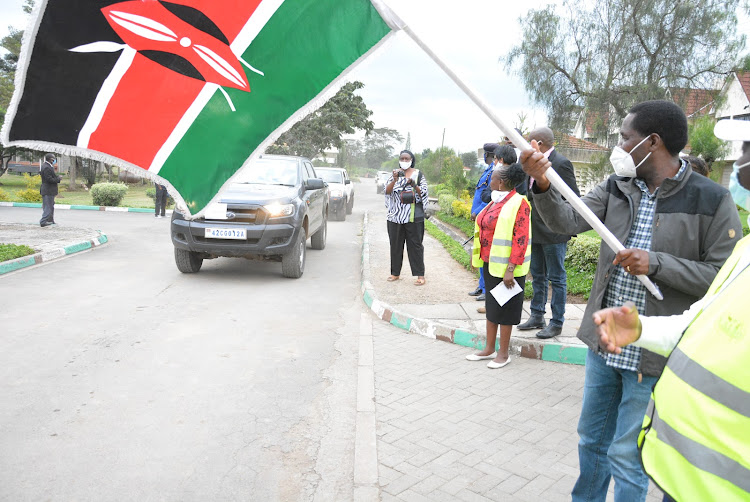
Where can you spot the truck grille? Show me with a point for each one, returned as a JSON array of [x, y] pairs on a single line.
[[247, 215]]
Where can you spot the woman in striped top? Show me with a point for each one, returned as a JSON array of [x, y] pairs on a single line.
[[405, 193]]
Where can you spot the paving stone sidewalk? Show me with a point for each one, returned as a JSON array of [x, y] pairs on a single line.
[[449, 429]]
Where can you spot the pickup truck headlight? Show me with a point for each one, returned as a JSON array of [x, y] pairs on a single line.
[[337, 193], [276, 210]]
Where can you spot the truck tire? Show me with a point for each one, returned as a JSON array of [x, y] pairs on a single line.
[[187, 262], [293, 262], [318, 239], [350, 205]]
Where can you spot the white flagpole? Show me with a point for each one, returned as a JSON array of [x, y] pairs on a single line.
[[521, 143]]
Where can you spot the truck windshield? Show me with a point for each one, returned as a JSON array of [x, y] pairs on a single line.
[[330, 176], [270, 172]]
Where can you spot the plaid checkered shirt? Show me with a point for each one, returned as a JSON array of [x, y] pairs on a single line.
[[625, 287]]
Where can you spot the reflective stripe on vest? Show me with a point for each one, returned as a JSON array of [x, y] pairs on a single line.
[[695, 442], [501, 247]]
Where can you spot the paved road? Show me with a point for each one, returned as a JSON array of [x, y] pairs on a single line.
[[122, 379]]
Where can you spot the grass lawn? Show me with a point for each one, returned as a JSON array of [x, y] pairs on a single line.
[[135, 197]]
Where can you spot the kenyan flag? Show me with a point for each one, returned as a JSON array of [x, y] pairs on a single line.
[[188, 90]]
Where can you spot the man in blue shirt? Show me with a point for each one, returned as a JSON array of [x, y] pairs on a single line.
[[478, 205]]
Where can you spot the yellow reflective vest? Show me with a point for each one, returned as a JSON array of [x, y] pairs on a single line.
[[502, 240], [695, 441]]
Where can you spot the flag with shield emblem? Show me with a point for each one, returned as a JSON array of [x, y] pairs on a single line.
[[186, 90]]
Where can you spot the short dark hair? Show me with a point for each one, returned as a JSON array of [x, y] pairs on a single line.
[[49, 157], [663, 118], [506, 153]]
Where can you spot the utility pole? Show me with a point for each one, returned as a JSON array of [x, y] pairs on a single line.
[[442, 144]]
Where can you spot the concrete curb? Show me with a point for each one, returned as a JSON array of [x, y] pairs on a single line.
[[84, 208], [555, 352], [50, 255]]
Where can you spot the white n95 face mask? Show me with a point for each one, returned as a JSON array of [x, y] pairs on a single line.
[[497, 196], [623, 163]]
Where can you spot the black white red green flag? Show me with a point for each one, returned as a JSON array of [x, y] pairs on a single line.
[[186, 90]]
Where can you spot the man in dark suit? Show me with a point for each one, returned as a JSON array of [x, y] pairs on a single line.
[[50, 180], [548, 248]]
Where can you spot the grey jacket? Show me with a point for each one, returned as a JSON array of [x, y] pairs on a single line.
[[695, 228]]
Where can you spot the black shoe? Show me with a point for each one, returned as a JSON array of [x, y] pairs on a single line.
[[481, 298], [549, 331], [476, 292], [534, 322], [45, 224]]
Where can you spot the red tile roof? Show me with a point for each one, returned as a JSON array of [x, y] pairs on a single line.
[[694, 102], [744, 78], [567, 141]]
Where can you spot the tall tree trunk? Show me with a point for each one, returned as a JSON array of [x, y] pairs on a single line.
[[72, 172]]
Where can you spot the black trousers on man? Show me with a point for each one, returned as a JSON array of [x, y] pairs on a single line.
[[48, 210], [160, 202], [412, 234]]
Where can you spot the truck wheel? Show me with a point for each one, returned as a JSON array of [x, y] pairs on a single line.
[[318, 239], [293, 262], [187, 262], [350, 206]]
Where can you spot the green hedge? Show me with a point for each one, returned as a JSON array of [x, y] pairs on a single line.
[[108, 194]]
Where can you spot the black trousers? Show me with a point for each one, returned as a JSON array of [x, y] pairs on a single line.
[[160, 202], [48, 209], [412, 234]]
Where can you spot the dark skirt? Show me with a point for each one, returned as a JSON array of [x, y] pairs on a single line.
[[510, 313]]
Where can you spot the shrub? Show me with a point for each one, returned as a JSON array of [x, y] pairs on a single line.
[[583, 253], [445, 200], [462, 209], [29, 195], [32, 182], [4, 197], [13, 251], [108, 194]]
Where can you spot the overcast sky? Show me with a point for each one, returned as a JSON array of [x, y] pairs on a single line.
[[408, 92]]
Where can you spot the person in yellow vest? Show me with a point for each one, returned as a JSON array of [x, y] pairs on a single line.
[[695, 439], [502, 235]]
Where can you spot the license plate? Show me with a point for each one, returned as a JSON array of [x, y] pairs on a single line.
[[226, 233]]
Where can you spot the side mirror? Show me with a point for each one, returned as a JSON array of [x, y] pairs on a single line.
[[315, 184], [347, 182]]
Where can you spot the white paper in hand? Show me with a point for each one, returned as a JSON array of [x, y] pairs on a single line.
[[503, 294]]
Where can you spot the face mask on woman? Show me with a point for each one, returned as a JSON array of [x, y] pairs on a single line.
[[404, 164], [623, 163], [497, 196]]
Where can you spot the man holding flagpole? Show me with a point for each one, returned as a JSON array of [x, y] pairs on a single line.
[[678, 229]]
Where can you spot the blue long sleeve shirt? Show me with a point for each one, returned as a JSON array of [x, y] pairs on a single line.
[[484, 181]]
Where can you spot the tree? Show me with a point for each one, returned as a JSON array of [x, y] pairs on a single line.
[[8, 63], [704, 143], [408, 141], [469, 159], [343, 114], [379, 146], [614, 53]]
